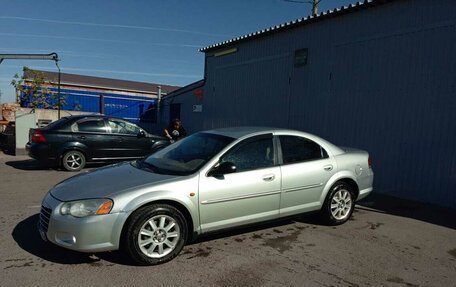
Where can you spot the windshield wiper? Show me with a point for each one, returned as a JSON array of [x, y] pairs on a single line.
[[144, 164]]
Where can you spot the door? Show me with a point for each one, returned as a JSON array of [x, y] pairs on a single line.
[[250, 194], [92, 133], [127, 144], [306, 168], [174, 112]]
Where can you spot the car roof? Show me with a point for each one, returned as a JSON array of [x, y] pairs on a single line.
[[86, 116], [239, 132], [91, 116]]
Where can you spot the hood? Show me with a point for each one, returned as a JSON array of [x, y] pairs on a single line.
[[106, 182]]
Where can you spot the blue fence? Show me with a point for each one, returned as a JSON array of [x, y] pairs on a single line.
[[133, 108]]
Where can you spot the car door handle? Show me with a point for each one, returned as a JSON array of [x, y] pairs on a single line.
[[269, 177], [328, 167], [82, 137]]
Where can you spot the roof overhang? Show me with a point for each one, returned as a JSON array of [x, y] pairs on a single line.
[[298, 23]]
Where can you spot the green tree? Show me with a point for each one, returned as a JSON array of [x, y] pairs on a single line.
[[34, 91]]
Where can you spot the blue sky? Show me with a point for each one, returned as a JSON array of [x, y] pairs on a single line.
[[141, 40]]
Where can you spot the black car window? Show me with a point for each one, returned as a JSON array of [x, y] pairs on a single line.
[[90, 125], [252, 154], [122, 127], [299, 149]]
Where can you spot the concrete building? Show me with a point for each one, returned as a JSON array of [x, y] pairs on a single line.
[[378, 75]]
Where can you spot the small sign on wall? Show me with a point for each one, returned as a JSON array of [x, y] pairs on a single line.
[[197, 108], [300, 57]]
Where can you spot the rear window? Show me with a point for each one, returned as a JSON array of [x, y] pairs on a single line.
[[299, 149], [56, 124]]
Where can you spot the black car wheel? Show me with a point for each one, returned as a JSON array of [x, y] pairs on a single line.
[[155, 234], [73, 160]]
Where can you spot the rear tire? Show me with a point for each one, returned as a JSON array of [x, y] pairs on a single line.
[[155, 234], [339, 204], [73, 160]]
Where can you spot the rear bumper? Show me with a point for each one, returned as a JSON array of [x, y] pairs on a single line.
[[41, 152], [365, 184], [364, 193]]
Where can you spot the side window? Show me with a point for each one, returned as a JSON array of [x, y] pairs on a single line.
[[299, 149], [122, 127], [252, 154], [89, 125]]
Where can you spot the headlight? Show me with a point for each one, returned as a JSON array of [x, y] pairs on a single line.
[[82, 208]]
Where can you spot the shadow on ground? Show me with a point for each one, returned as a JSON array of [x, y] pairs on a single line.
[[29, 164], [311, 218], [32, 164], [9, 150], [425, 212], [28, 238]]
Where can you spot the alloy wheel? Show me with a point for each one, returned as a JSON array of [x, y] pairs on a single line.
[[158, 236], [74, 161], [341, 204]]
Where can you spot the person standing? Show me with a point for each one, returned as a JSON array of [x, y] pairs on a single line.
[[175, 131]]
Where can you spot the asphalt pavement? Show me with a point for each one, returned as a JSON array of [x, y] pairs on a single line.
[[388, 242]]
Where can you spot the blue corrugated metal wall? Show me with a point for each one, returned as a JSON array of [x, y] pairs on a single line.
[[380, 79], [118, 105]]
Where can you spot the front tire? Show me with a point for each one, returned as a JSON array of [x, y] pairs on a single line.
[[155, 234], [73, 160], [339, 204]]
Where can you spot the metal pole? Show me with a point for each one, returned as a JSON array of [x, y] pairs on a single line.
[[101, 104], [315, 7], [314, 4], [52, 56], [58, 90]]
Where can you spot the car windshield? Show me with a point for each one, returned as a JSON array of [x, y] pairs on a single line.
[[186, 156]]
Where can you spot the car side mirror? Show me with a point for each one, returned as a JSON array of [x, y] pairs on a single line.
[[222, 169], [141, 134]]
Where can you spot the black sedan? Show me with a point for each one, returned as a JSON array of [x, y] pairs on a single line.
[[73, 141]]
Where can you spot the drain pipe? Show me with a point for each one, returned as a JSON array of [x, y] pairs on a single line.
[[159, 96]]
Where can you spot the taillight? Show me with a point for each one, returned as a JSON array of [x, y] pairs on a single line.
[[38, 137], [369, 162]]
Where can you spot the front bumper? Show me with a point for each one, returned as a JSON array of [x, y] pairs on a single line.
[[87, 234]]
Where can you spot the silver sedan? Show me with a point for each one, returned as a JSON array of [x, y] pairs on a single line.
[[209, 181]]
